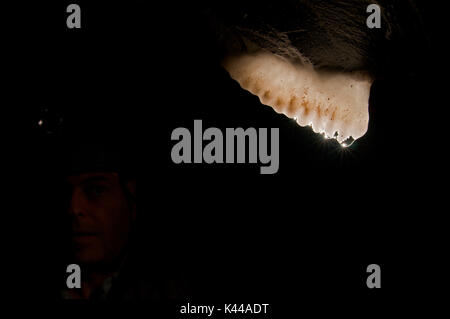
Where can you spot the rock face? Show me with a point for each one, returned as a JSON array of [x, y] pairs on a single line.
[[314, 61], [330, 34]]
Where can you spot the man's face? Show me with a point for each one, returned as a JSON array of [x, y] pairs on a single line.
[[101, 217]]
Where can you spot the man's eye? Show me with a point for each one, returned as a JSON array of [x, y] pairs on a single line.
[[94, 190]]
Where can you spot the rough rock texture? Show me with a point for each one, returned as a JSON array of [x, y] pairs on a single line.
[[330, 34]]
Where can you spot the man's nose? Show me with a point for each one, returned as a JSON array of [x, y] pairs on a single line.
[[77, 203]]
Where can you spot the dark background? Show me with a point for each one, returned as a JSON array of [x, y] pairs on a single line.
[[300, 239]]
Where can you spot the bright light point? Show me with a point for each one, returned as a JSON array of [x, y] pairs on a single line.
[[344, 145], [295, 118], [40, 122]]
